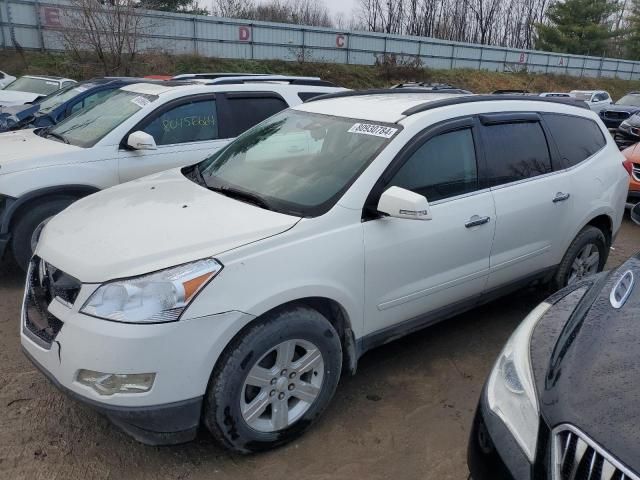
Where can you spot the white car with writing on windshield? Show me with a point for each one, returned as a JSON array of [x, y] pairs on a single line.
[[133, 131], [233, 293]]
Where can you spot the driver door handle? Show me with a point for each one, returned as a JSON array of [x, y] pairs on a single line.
[[476, 221], [561, 197]]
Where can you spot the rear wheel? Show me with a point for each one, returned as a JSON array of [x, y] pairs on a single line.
[[587, 255], [274, 381], [27, 229]]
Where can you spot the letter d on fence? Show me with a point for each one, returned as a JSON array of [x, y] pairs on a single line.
[[244, 33]]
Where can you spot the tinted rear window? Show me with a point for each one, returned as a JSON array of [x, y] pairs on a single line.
[[515, 151], [577, 138], [249, 111]]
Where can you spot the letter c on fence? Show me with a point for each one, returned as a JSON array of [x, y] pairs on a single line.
[[340, 41], [244, 33], [51, 17]]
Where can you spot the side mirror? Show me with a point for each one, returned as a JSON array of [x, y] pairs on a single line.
[[141, 141], [635, 213], [400, 203]]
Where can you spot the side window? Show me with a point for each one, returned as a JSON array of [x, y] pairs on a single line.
[[249, 111], [577, 138], [90, 100], [195, 121], [444, 166], [600, 97], [515, 151]]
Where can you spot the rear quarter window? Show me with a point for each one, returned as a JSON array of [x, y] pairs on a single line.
[[577, 138]]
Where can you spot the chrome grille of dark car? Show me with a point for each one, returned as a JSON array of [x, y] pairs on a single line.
[[616, 115], [635, 171], [46, 283], [577, 457]]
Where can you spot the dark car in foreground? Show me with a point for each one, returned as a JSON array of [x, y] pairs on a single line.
[[614, 115], [59, 105], [563, 399]]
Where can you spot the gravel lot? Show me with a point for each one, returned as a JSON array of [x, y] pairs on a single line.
[[405, 415]]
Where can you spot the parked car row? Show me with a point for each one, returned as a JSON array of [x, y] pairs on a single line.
[[179, 279]]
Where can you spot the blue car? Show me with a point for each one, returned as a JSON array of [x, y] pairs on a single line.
[[59, 105]]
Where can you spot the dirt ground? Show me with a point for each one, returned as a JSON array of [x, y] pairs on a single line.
[[405, 415]]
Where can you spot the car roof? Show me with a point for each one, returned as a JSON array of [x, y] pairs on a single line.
[[167, 87], [396, 105], [380, 107]]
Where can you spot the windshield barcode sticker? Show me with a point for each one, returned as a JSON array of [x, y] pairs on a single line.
[[51, 83], [140, 101], [375, 130]]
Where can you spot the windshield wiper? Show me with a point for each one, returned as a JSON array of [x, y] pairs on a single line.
[[243, 196], [57, 136]]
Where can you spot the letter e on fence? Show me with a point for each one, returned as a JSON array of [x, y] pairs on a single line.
[[50, 16], [340, 41], [244, 33]]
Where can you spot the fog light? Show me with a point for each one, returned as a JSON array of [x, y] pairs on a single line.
[[112, 383]]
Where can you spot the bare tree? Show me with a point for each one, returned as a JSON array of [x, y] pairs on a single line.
[[109, 31]]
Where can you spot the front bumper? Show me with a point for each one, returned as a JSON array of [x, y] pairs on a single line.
[[167, 424], [494, 454], [182, 355]]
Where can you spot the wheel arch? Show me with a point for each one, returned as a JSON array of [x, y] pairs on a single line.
[[604, 223], [16, 208]]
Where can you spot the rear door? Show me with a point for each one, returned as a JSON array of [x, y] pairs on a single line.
[[532, 198]]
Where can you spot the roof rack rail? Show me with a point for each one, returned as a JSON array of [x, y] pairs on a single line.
[[291, 80], [214, 75], [453, 100], [572, 102], [373, 91]]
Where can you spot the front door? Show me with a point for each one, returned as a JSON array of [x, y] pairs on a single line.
[[418, 267], [185, 133]]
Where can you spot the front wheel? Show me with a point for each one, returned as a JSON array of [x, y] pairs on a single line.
[[274, 381], [27, 229], [586, 256]]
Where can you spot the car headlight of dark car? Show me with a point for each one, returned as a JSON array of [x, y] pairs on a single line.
[[511, 392]]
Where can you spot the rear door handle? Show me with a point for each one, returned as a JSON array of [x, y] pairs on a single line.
[[561, 197], [476, 221]]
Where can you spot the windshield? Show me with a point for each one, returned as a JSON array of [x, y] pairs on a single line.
[[56, 99], [33, 85], [632, 100], [297, 162], [91, 124]]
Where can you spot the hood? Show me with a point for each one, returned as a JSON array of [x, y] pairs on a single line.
[[150, 224], [621, 108], [24, 150], [593, 379], [12, 116], [14, 97]]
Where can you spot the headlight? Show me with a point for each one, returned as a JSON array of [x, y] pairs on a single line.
[[625, 125], [157, 297], [511, 392]]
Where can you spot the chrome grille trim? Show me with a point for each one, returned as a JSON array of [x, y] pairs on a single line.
[[635, 171], [575, 456]]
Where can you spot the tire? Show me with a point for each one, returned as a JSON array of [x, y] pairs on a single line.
[[24, 228], [588, 236], [228, 394]]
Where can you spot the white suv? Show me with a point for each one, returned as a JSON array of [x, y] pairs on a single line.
[[133, 131], [237, 290]]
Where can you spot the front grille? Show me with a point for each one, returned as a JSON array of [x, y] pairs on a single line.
[[577, 457], [611, 115], [46, 283], [635, 171]]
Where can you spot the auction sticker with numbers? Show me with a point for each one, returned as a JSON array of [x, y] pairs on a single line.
[[140, 101], [375, 130]]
